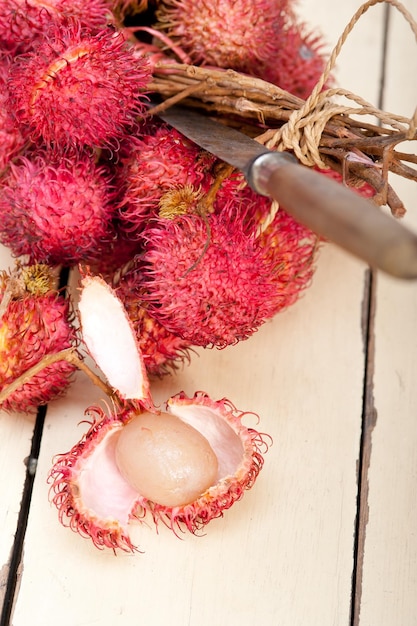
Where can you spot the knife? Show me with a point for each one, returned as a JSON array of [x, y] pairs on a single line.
[[323, 205]]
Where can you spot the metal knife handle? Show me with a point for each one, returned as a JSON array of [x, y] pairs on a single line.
[[336, 213]]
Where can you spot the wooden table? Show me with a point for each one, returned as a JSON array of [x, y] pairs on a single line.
[[328, 535]]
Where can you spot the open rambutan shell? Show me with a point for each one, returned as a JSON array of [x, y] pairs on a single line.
[[95, 486], [95, 500]]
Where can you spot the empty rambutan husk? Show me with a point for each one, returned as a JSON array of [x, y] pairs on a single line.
[[184, 466]]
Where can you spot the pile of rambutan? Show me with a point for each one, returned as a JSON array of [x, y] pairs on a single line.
[[88, 178], [191, 254]]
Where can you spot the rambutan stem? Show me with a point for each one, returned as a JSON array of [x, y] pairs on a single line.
[[69, 355], [74, 359]]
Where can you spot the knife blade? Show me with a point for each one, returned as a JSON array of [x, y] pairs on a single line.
[[326, 207]]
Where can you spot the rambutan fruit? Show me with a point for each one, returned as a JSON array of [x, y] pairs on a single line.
[[299, 60], [77, 88], [35, 322], [236, 34], [22, 22], [289, 249], [132, 464], [205, 279], [56, 212], [159, 159], [184, 467], [262, 38]]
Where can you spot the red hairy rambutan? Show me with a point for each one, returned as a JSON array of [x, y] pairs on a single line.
[[238, 34], [289, 249], [22, 22], [205, 279], [158, 160], [298, 62], [76, 88], [261, 38], [56, 212], [35, 321]]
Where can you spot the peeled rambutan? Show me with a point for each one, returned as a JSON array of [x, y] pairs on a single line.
[[35, 322], [158, 160], [22, 22], [77, 88], [94, 497], [56, 212], [183, 467]]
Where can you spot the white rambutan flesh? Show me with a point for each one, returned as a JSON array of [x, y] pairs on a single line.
[[165, 459], [109, 336]]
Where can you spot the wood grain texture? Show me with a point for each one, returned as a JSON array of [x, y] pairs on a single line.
[[390, 551]]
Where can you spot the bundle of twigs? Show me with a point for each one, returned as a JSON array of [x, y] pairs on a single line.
[[355, 139]]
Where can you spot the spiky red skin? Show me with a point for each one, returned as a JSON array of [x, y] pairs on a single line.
[[162, 350], [11, 139], [299, 61], [289, 249], [22, 22], [157, 160], [56, 212], [239, 34], [77, 88], [193, 517], [262, 38], [31, 328], [207, 281]]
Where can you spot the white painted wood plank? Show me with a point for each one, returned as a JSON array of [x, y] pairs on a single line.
[[15, 443], [289, 538], [284, 554], [390, 555]]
